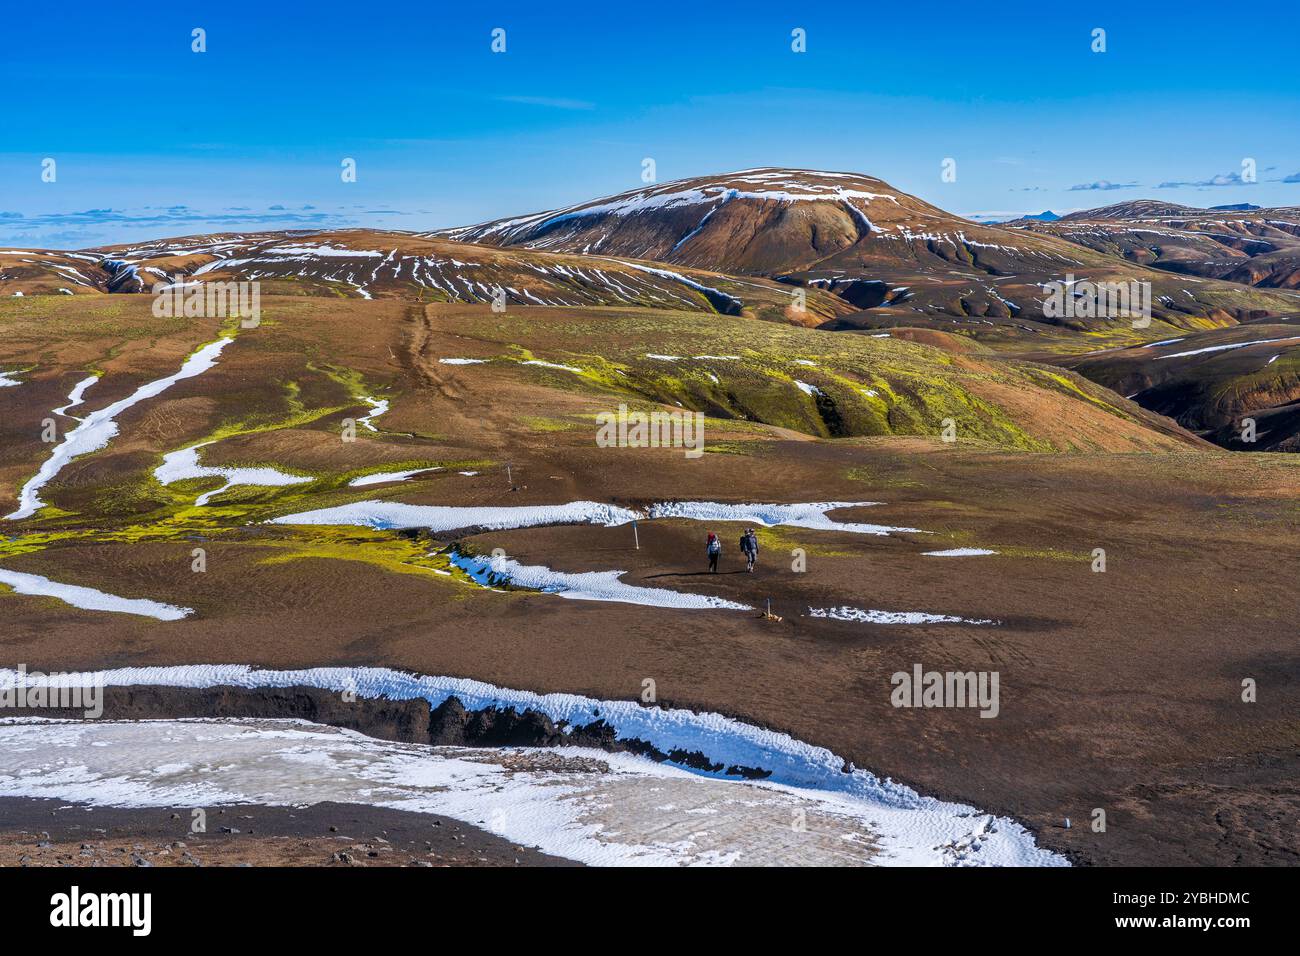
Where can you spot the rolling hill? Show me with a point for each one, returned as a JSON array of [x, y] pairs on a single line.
[[897, 259], [372, 264], [1209, 382], [1255, 247]]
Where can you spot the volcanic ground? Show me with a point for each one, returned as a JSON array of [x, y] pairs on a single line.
[[1121, 682]]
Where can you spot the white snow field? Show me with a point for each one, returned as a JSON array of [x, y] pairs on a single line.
[[88, 599], [810, 515], [98, 428], [7, 379], [958, 553], [583, 586], [436, 518], [183, 464], [584, 804]]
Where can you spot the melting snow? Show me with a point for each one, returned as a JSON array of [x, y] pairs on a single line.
[[377, 407], [88, 598], [98, 428], [912, 829], [379, 477], [1222, 348], [183, 464], [806, 515], [959, 553], [566, 368], [438, 518], [585, 586], [75, 396], [889, 617]]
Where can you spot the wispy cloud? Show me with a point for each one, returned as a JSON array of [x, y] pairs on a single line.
[[1293, 178], [995, 215], [552, 102], [1223, 179], [1101, 185]]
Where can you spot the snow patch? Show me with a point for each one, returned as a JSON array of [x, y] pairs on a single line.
[[584, 586], [183, 464], [865, 616], [88, 599], [379, 477], [438, 518], [75, 397], [98, 428], [812, 515]]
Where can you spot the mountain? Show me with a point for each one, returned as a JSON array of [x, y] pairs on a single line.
[[1045, 216], [1132, 209], [1242, 243], [898, 259], [374, 264], [1238, 207]]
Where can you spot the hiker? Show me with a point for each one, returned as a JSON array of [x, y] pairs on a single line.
[[749, 545], [715, 551]]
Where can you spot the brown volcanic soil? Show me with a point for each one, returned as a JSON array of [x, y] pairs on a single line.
[[1118, 690], [53, 833]]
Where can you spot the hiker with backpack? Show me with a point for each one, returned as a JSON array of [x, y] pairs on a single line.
[[749, 546], [714, 549]]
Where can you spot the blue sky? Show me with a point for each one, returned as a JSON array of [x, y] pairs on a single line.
[[151, 139]]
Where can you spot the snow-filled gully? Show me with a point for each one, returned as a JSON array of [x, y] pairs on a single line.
[[98, 428], [686, 802], [89, 599]]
